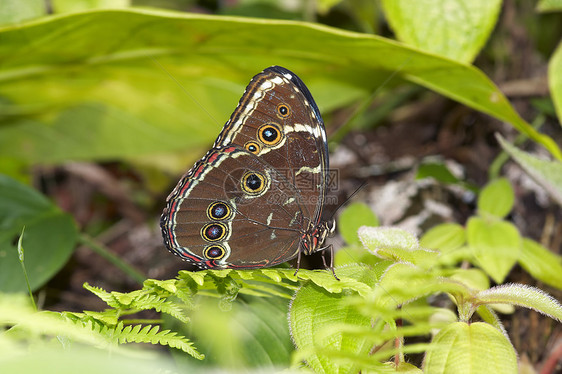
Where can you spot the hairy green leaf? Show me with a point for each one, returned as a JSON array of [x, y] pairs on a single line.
[[541, 263], [470, 348], [445, 237], [495, 244], [523, 295], [496, 198], [313, 309]]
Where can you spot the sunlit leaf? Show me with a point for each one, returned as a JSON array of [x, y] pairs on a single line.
[[353, 217], [313, 310], [470, 348], [541, 263], [495, 244], [523, 295], [454, 28], [549, 5], [496, 198], [164, 82]]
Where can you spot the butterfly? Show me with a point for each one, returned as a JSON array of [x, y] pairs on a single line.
[[256, 198]]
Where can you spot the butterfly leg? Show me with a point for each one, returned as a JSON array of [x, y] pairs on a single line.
[[298, 262], [331, 267]]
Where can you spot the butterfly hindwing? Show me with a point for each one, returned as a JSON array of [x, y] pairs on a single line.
[[221, 208]]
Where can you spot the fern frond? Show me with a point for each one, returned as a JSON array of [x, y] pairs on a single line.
[[152, 334], [168, 286], [108, 297], [160, 304]]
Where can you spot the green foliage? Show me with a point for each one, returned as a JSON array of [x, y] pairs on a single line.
[[354, 216], [48, 343], [81, 94], [453, 28], [471, 348], [541, 263], [314, 311], [13, 11], [74, 86], [50, 236], [252, 332], [335, 333], [337, 326], [549, 5], [492, 243], [496, 198], [546, 173]]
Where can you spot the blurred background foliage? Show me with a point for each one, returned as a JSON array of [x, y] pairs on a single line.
[[104, 104]]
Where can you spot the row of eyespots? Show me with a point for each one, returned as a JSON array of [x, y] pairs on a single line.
[[216, 231], [269, 134]]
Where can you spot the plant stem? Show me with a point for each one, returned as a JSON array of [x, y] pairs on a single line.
[[104, 252], [21, 259]]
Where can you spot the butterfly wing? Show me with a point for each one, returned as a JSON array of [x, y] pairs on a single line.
[[278, 120], [219, 215]]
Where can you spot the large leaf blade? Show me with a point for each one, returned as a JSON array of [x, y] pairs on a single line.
[[48, 241], [61, 63]]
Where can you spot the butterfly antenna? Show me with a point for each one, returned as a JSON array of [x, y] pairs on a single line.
[[171, 76], [339, 133], [348, 198]]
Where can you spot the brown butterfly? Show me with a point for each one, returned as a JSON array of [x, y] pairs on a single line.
[[256, 198]]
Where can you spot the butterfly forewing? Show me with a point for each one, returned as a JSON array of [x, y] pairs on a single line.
[[277, 97]]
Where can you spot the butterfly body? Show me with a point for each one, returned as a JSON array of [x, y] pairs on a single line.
[[256, 198]]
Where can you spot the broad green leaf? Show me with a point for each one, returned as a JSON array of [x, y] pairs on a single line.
[[47, 359], [496, 198], [546, 173], [436, 170], [314, 310], [254, 333], [470, 348], [14, 11], [495, 244], [457, 29], [123, 83], [522, 295], [445, 237], [50, 236], [353, 217], [541, 263], [67, 6], [549, 5]]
